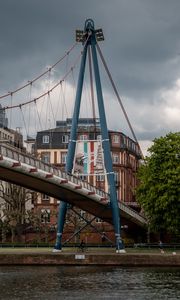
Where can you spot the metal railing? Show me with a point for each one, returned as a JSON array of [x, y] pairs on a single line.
[[132, 212], [25, 158]]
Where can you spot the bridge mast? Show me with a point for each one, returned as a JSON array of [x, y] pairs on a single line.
[[89, 38]]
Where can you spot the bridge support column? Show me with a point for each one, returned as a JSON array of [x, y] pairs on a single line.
[[73, 135], [107, 152], [71, 148], [60, 226], [91, 40]]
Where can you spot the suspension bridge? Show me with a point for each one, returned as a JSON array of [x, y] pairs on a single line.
[[24, 169]]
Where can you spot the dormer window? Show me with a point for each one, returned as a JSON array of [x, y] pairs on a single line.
[[45, 139], [65, 139], [115, 139]]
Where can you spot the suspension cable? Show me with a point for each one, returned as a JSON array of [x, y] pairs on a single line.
[[23, 118], [41, 128], [47, 92], [118, 97], [39, 76], [55, 86]]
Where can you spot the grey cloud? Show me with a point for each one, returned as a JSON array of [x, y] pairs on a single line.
[[141, 47]]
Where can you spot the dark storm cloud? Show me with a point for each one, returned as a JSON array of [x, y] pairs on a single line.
[[142, 41]]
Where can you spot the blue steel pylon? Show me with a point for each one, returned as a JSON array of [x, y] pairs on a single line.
[[89, 37]]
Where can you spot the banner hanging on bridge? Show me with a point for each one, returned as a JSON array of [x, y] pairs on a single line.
[[89, 158]]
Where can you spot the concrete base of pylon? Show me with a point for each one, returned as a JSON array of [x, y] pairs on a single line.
[[57, 250], [120, 251]]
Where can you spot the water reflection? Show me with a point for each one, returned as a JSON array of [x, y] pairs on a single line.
[[89, 283]]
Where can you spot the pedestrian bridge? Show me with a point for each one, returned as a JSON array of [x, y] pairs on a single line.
[[27, 171]]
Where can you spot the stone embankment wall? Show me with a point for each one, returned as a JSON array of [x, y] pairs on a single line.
[[91, 259]]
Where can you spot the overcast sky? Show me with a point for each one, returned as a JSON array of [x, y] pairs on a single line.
[[141, 48]]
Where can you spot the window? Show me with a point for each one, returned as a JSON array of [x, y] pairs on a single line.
[[115, 139], [65, 139], [45, 157], [83, 137], [45, 215], [83, 177], [116, 177], [45, 139], [55, 157], [133, 147], [115, 158], [63, 157], [100, 178], [45, 197], [123, 140]]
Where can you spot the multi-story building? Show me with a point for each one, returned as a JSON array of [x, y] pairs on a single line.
[[13, 139], [3, 119], [52, 147]]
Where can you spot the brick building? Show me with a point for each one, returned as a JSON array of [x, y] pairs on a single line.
[[52, 146]]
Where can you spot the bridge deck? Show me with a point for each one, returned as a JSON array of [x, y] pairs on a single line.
[[25, 170]]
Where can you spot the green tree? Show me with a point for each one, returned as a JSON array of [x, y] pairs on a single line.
[[159, 189]]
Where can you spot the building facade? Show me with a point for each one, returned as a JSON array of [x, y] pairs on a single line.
[[14, 140], [52, 146], [3, 118]]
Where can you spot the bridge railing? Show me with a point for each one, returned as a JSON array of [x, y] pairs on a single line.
[[131, 212], [25, 158]]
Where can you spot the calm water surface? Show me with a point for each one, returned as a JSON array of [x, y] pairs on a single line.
[[89, 283]]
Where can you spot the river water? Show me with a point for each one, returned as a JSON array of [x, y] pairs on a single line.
[[88, 282]]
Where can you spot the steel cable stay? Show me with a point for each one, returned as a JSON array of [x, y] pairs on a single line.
[[49, 105], [29, 113], [92, 87], [24, 122], [47, 92], [53, 87], [51, 108], [74, 84], [46, 103], [38, 115], [118, 97], [88, 97], [84, 109], [66, 68], [30, 82], [64, 106], [47, 113], [11, 102], [58, 102], [26, 114], [65, 112]]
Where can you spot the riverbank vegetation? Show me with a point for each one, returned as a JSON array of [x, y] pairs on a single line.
[[159, 189]]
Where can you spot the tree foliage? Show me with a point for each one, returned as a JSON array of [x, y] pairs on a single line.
[[159, 189]]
